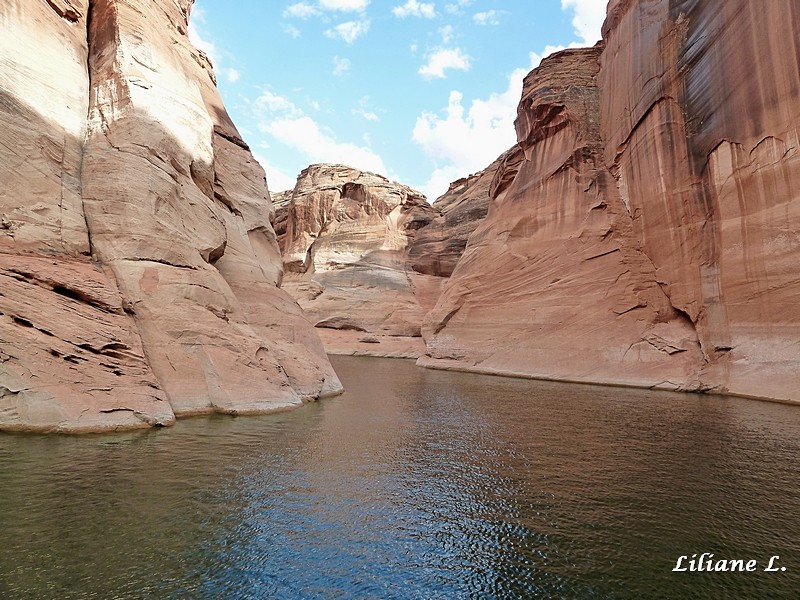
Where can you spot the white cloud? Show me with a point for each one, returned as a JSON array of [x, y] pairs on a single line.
[[301, 10], [269, 103], [292, 31], [439, 180], [588, 18], [412, 8], [447, 32], [489, 17], [364, 112], [349, 31], [456, 7], [442, 59], [283, 121], [344, 5], [198, 14], [340, 65], [201, 43], [277, 180], [232, 75], [305, 135], [462, 141]]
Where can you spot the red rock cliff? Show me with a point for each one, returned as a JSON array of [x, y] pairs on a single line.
[[649, 237], [138, 265]]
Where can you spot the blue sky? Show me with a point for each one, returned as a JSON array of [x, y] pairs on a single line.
[[423, 92]]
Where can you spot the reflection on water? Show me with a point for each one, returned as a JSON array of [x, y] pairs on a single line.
[[414, 484]]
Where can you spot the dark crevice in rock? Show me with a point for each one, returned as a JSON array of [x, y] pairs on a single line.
[[446, 320], [232, 138], [21, 322], [65, 10], [74, 359], [84, 298], [162, 261]]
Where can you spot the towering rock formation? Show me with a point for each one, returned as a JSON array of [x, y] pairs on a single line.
[[346, 242], [139, 269], [648, 237]]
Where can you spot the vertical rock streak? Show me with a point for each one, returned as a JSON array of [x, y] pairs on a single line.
[[666, 159]]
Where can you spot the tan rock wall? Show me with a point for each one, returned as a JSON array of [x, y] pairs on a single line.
[[438, 246], [553, 282], [345, 251], [142, 223], [706, 159], [647, 238]]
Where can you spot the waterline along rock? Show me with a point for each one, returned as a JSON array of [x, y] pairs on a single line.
[[139, 268], [649, 236]]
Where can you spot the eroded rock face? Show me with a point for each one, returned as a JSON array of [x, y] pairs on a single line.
[[345, 254], [140, 268], [647, 237], [439, 245], [570, 292]]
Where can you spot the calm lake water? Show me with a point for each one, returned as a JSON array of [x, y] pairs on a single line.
[[414, 484]]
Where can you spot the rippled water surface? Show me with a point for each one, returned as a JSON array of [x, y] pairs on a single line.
[[414, 484]]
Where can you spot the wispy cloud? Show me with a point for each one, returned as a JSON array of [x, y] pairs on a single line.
[[363, 112], [588, 17], [447, 32], [412, 8], [348, 31], [344, 5], [286, 123], [301, 10], [442, 59], [292, 31], [340, 66], [489, 17], [455, 7], [461, 139]]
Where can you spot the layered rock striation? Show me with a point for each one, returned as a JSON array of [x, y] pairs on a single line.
[[345, 248], [648, 236], [139, 268]]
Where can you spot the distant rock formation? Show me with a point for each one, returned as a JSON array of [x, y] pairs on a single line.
[[439, 245], [649, 235], [138, 265], [345, 251]]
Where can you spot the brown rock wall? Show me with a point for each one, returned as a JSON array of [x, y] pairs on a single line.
[[647, 237], [345, 252], [706, 161], [438, 246], [553, 282], [124, 179]]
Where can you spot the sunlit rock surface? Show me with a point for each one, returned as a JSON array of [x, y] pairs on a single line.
[[345, 247], [649, 236], [138, 262]]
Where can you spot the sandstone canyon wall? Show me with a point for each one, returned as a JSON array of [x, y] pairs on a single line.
[[649, 237], [438, 246], [139, 268], [345, 236]]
